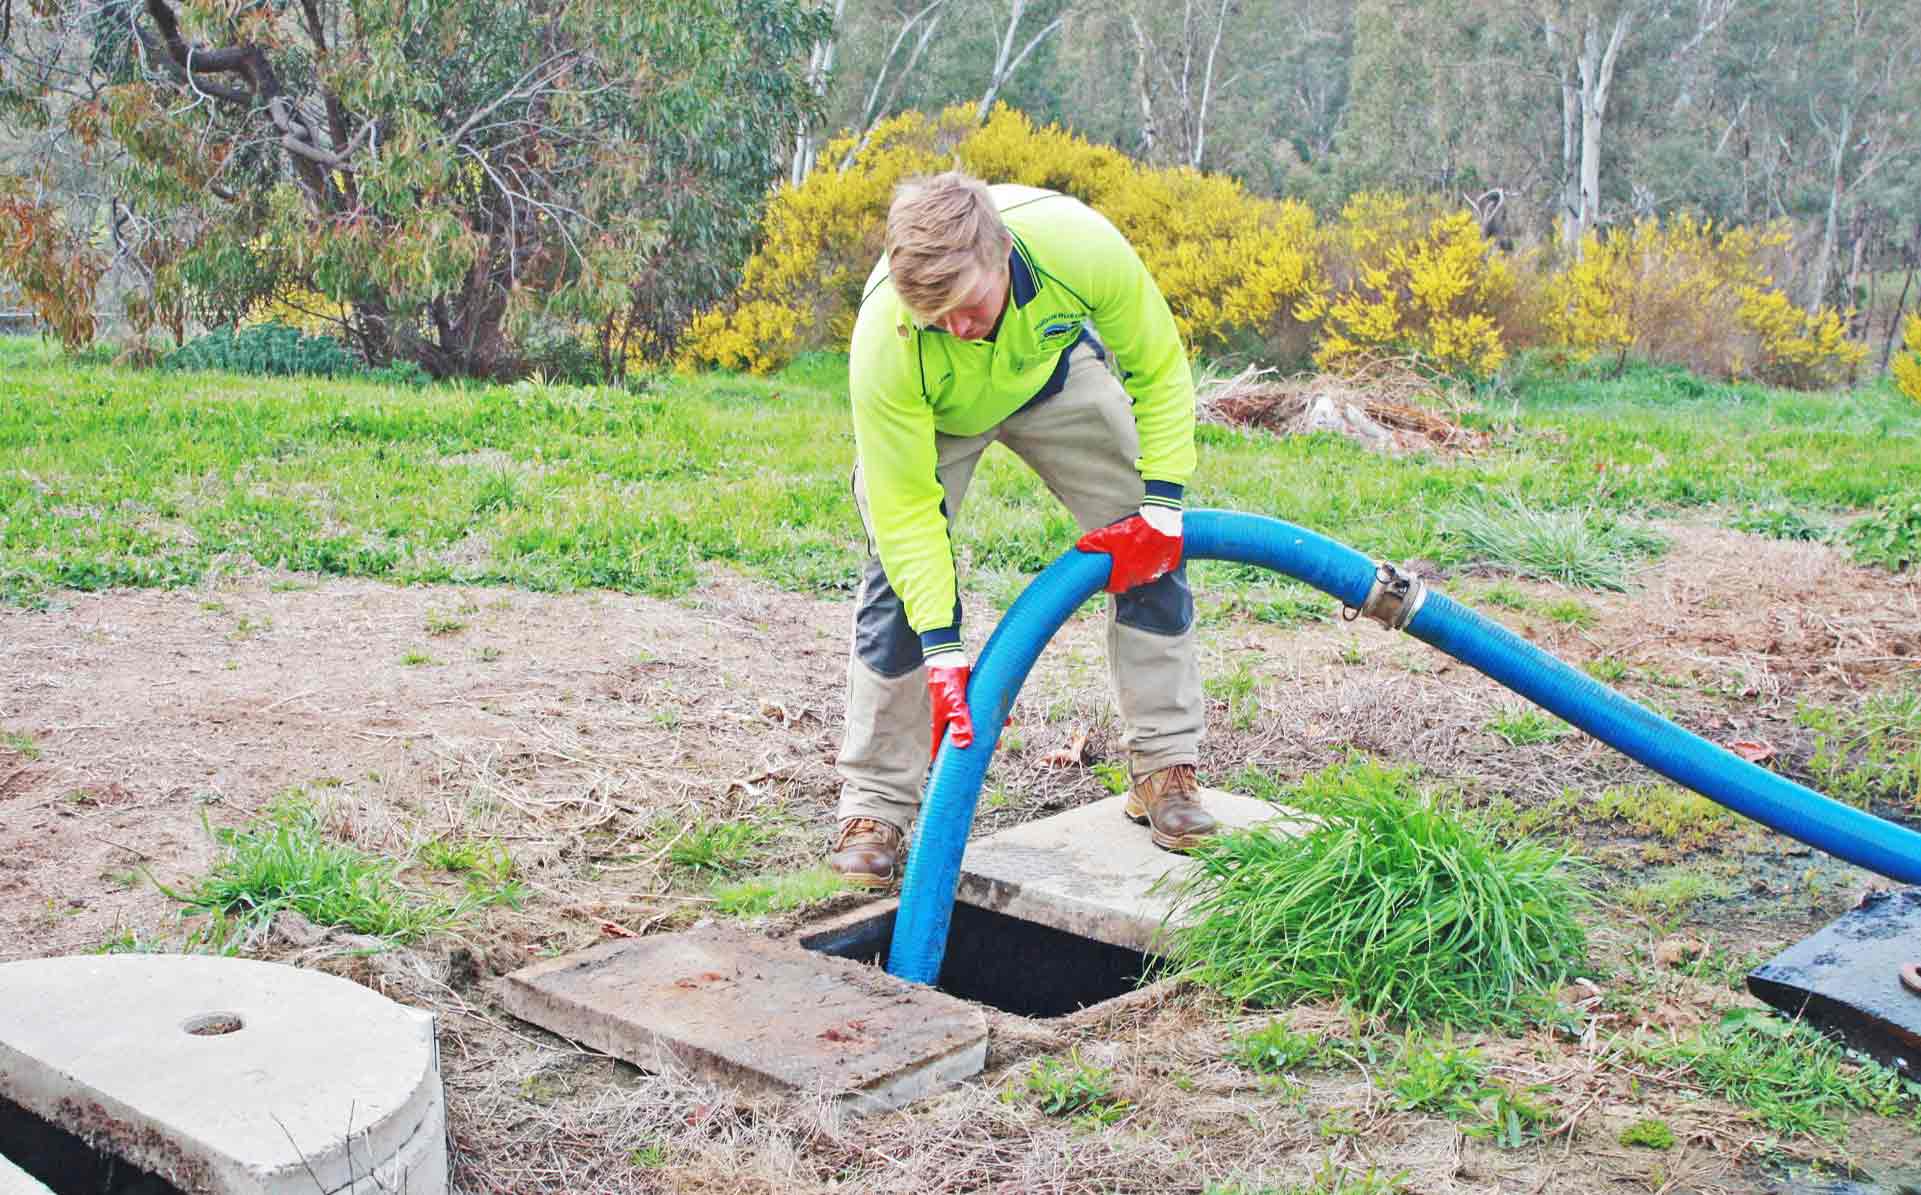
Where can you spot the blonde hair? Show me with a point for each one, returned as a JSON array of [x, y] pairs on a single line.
[[942, 232]]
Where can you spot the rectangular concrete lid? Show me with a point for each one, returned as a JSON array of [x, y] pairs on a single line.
[[746, 1009], [1092, 872]]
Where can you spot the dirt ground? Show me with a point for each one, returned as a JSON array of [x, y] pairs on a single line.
[[579, 730]]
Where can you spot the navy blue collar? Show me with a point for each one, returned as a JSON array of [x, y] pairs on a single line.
[[1021, 277]]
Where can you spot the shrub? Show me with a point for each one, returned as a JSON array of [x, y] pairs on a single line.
[[1907, 366], [1687, 292], [263, 349], [1412, 282], [1388, 904], [1232, 266]]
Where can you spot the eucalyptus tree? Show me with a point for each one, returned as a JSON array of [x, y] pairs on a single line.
[[452, 180]]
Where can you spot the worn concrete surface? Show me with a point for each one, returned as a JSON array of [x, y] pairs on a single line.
[[1092, 872], [1846, 979], [15, 1181], [322, 1084], [740, 1008]]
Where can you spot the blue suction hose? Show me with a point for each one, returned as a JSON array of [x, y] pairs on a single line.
[[947, 814]]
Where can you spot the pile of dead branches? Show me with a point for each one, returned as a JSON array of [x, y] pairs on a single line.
[[1385, 403]]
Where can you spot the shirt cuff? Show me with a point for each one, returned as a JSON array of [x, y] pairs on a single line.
[[941, 648], [1167, 494]]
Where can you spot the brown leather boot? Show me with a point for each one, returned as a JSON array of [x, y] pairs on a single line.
[[867, 853], [1165, 802]]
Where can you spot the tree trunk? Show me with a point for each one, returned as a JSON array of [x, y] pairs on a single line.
[[820, 68], [1597, 77], [1570, 201], [1004, 66], [1831, 226]]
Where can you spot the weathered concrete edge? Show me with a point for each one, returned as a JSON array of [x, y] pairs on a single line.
[[15, 1181], [173, 1153], [1086, 919]]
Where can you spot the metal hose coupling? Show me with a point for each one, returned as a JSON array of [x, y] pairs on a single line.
[[1394, 598]]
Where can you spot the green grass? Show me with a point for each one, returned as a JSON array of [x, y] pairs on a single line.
[[1793, 1079], [1070, 1088], [1389, 904], [1673, 891], [20, 743], [1583, 548], [1527, 727], [1651, 1133], [1275, 1049], [1869, 753], [725, 848], [758, 896], [286, 860], [1671, 814], [114, 477]]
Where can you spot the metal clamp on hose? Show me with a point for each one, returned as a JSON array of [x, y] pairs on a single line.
[[1394, 598]]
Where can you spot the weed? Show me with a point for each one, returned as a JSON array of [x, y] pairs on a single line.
[[1793, 1079], [1891, 536], [1504, 596], [647, 1157], [1649, 1133], [1675, 891], [723, 847], [1274, 1049], [1780, 522], [1238, 691], [1070, 1088], [1571, 612], [1672, 814], [1584, 549], [1527, 727], [20, 743], [439, 622], [1113, 776], [487, 654], [1387, 903], [415, 659], [1511, 1116], [758, 896], [1871, 753], [1606, 669], [1330, 1179], [286, 861], [1439, 1076]]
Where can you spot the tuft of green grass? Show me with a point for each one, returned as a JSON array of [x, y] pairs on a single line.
[[1606, 669], [726, 848], [20, 743], [1579, 548], [758, 896], [415, 659], [1868, 753], [1527, 727], [287, 861], [1571, 612], [1792, 1078], [1388, 904], [1504, 596]]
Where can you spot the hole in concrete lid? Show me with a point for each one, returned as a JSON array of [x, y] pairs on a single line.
[[1017, 966], [213, 1024]]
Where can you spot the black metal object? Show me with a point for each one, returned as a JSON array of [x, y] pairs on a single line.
[[1847, 979], [1016, 966]]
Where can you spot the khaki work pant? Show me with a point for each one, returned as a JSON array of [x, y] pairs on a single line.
[[1083, 444]]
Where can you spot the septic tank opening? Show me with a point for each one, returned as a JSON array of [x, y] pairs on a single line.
[[1017, 966], [67, 1165]]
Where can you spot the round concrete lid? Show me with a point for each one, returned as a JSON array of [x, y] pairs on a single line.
[[224, 1074]]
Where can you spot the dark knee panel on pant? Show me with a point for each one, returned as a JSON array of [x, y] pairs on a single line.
[[882, 638], [1164, 607]]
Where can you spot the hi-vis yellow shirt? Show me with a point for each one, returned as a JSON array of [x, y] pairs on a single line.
[[1070, 271]]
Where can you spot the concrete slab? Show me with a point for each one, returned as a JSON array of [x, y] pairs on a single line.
[[15, 1181], [227, 1076], [1846, 979], [748, 1010], [1091, 872]]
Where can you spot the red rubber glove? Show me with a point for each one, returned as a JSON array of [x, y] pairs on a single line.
[[1141, 550], [948, 687]]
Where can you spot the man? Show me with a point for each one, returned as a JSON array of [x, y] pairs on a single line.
[[979, 325]]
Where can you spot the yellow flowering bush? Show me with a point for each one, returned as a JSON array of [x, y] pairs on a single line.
[[1414, 282], [1907, 366], [1231, 264], [1688, 292]]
